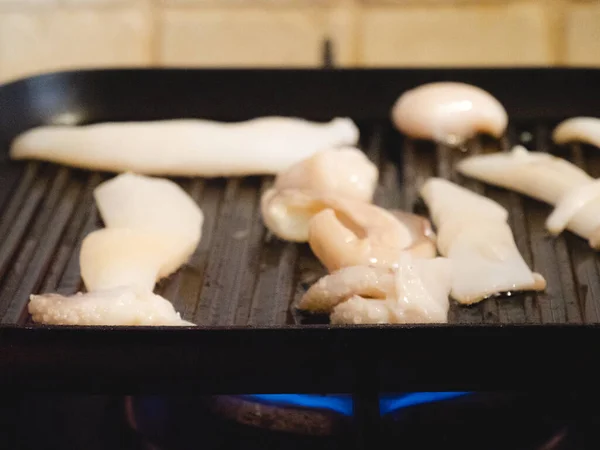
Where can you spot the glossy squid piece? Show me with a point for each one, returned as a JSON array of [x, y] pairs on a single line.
[[415, 291], [122, 306], [186, 147], [578, 129], [474, 235], [352, 235], [152, 228], [301, 191], [547, 178], [449, 113]]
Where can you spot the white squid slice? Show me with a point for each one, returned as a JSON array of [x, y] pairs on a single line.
[[546, 178], [343, 232], [352, 235], [455, 207], [186, 147], [419, 294], [153, 227], [288, 213], [146, 203], [448, 112], [570, 204], [345, 172], [301, 191], [358, 311], [122, 306], [339, 286], [488, 262], [478, 242], [578, 129], [539, 175], [113, 257]]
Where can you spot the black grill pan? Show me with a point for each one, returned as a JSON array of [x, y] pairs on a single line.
[[240, 283]]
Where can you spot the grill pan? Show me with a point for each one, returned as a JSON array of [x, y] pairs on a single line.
[[240, 283]]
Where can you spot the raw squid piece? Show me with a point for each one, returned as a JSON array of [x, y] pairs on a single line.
[[288, 213], [122, 306], [339, 286], [542, 176], [186, 147], [113, 257], [474, 236], [153, 227], [578, 129], [345, 172], [416, 291], [343, 232], [549, 179], [448, 112], [574, 201], [146, 203], [297, 193], [362, 234]]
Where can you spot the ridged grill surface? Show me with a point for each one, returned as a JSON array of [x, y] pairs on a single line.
[[240, 275]]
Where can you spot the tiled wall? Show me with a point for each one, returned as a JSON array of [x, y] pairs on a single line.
[[43, 35]]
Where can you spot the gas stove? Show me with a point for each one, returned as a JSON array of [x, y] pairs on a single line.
[[463, 420], [478, 421]]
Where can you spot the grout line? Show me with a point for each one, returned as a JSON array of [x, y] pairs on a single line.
[[358, 21], [556, 31], [155, 13]]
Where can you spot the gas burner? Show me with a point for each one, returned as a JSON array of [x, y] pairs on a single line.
[[303, 414], [418, 420], [311, 414], [218, 422]]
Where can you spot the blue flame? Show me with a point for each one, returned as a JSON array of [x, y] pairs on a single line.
[[337, 403], [343, 404], [394, 403]]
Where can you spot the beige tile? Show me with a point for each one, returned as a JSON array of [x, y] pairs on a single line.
[[471, 35], [24, 2], [246, 3], [452, 3], [582, 28], [94, 3], [242, 37], [33, 42], [342, 30], [11, 5]]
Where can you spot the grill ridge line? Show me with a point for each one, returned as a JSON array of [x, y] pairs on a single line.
[[181, 288], [568, 309], [18, 214], [70, 243], [28, 265], [585, 265]]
